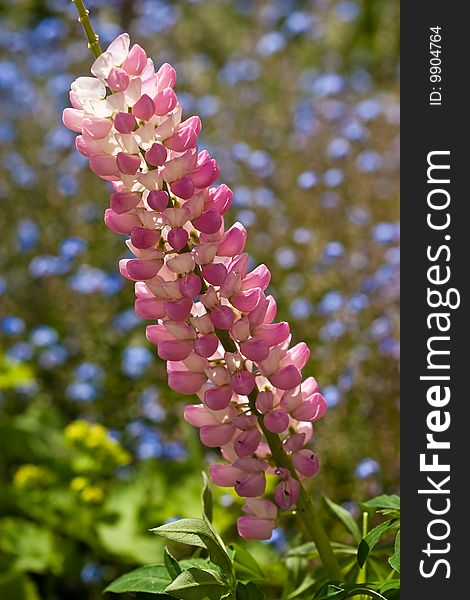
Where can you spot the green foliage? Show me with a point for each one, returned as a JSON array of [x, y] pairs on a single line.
[[152, 579]]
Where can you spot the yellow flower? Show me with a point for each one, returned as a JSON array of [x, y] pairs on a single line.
[[32, 476], [79, 483], [92, 495]]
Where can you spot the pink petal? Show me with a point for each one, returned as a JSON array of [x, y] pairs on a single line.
[[186, 382], [233, 241], [156, 156], [158, 200], [305, 462], [214, 436], [218, 397], [143, 238], [255, 349], [276, 421], [252, 528], [122, 202], [122, 224], [124, 122]]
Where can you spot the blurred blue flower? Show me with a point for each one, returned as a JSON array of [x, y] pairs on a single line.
[[88, 371], [7, 132], [135, 361], [347, 10], [278, 540], [386, 233], [149, 445], [331, 302], [270, 43], [333, 177], [3, 285], [72, 247], [369, 109], [47, 265], [328, 84], [20, 352], [307, 180], [358, 302], [54, 356], [91, 573], [12, 325], [27, 234], [246, 217], [236, 71], [126, 320], [150, 407], [332, 330], [44, 335], [333, 250], [368, 161], [338, 148], [300, 308], [285, 257], [332, 395], [302, 235], [299, 22], [367, 468], [81, 391]]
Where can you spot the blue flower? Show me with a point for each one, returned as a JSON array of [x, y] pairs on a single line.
[[44, 335], [20, 352], [12, 325], [81, 391], [331, 302], [300, 308], [332, 395], [54, 356], [135, 361], [307, 180], [270, 43], [88, 371], [367, 468]]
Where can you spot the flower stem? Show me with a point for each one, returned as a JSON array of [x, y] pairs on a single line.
[[306, 512], [92, 37]]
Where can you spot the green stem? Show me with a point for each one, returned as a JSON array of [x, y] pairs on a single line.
[[92, 37], [306, 512]]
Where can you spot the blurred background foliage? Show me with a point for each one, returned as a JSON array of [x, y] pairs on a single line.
[[299, 103]]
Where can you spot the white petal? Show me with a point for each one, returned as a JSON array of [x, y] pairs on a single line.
[[134, 91], [127, 142], [119, 49], [117, 102], [98, 108], [151, 180], [88, 88], [102, 65]]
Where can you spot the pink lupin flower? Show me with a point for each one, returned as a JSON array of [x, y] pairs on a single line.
[[212, 321], [260, 520]]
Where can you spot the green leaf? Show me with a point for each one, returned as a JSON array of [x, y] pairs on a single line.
[[171, 564], [196, 584], [245, 565], [344, 516], [152, 579], [383, 501], [370, 540], [395, 559], [391, 584], [206, 498], [309, 550], [200, 563], [306, 584], [17, 586], [196, 532], [249, 591]]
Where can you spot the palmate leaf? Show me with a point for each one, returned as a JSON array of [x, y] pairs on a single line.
[[196, 532], [197, 584], [344, 516], [152, 579], [370, 540]]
